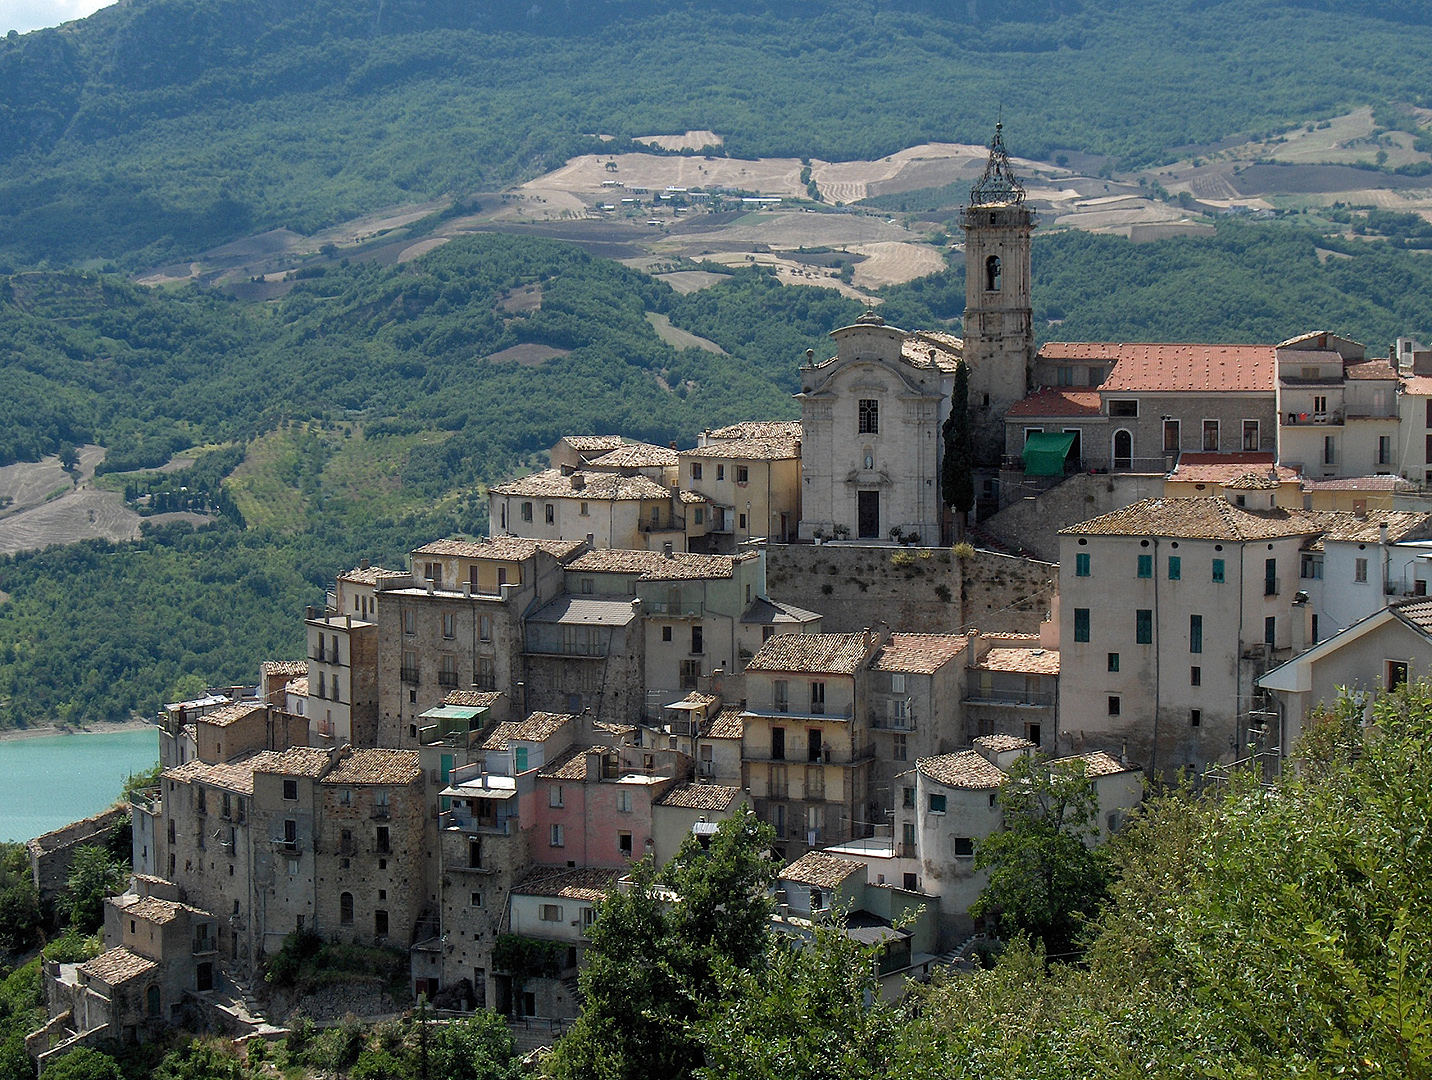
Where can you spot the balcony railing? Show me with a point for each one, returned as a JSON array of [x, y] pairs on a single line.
[[1036, 698], [779, 710], [674, 610], [379, 812], [447, 679], [1309, 419], [456, 819], [408, 675], [288, 847]]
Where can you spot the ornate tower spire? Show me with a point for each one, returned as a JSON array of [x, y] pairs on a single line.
[[998, 186]]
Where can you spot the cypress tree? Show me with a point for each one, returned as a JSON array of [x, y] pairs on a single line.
[[957, 481]]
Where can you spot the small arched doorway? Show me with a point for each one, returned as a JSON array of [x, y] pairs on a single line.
[[1123, 449]]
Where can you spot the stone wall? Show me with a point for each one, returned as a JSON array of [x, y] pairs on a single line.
[[921, 589], [1033, 524], [51, 855]]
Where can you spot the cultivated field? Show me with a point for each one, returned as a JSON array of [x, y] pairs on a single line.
[[48, 506], [678, 338]]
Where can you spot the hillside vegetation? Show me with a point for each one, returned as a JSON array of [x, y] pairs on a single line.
[[159, 128]]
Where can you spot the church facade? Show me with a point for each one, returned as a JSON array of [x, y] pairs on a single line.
[[872, 414]]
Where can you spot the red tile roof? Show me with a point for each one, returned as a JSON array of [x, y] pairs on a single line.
[[1051, 402], [1211, 468], [1175, 368]]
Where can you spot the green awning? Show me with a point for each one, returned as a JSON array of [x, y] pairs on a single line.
[[1046, 451]]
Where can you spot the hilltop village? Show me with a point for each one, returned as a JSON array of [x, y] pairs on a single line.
[[1171, 554]]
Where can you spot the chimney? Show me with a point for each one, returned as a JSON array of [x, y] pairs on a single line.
[[667, 550], [362, 564], [430, 585], [467, 588], [578, 481]]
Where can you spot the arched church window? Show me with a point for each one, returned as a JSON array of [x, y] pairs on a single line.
[[992, 274]]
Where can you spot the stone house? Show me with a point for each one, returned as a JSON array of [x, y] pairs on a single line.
[[1379, 652], [370, 888], [692, 808], [1169, 611], [1338, 412], [157, 951], [807, 748], [555, 907], [1012, 687], [954, 805], [750, 475], [604, 509], [461, 626], [915, 690]]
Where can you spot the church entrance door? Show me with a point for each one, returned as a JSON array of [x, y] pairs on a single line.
[[868, 515]]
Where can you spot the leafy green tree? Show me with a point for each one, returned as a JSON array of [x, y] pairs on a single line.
[[203, 1059], [1045, 877], [83, 1064], [811, 1009], [94, 875], [479, 1047], [653, 962], [957, 481], [19, 901]]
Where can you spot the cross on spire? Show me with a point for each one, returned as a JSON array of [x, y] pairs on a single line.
[[998, 185]]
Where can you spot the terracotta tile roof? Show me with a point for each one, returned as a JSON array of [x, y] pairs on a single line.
[[377, 766], [821, 869], [1321, 335], [691, 498], [1175, 368], [295, 761], [154, 910], [967, 769], [297, 686], [1000, 744], [656, 566], [747, 449], [1419, 385], [1343, 525], [918, 345], [581, 610], [919, 654], [784, 430], [696, 697], [1097, 764], [1196, 519], [1388, 482], [700, 797], [1254, 481], [614, 729], [230, 775], [284, 667], [1028, 661], [592, 486], [229, 714], [840, 654], [1054, 402], [1418, 612], [581, 883], [766, 612], [729, 723], [571, 764], [370, 575], [472, 698], [536, 728], [588, 443], [504, 548], [1371, 369], [1210, 468], [636, 456], [118, 965]]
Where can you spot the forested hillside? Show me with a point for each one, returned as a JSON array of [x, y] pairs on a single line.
[[158, 128]]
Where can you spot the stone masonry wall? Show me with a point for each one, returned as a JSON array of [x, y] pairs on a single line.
[[913, 589], [1033, 524], [51, 855]]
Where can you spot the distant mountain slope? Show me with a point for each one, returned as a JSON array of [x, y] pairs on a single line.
[[158, 128]]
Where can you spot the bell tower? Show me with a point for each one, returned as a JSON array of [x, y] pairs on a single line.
[[999, 318]]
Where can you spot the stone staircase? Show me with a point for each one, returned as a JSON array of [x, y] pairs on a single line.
[[237, 1010]]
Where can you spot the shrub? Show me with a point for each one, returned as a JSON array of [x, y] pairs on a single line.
[[902, 560], [963, 550]]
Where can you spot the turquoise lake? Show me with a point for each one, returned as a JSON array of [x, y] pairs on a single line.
[[51, 781]]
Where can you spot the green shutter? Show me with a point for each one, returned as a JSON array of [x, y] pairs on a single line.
[[1218, 571], [1175, 568], [1146, 566], [1144, 626]]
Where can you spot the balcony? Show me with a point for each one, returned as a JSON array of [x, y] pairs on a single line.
[[227, 847], [409, 675], [674, 610], [1310, 419], [448, 679], [881, 720], [784, 710], [288, 847], [474, 823], [379, 812], [1039, 699]]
